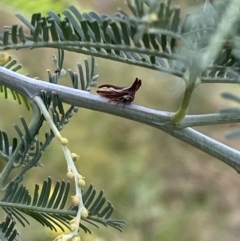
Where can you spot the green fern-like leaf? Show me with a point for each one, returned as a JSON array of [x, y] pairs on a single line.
[[14, 66], [197, 30], [6, 150], [30, 149], [150, 37], [48, 208], [99, 36], [8, 231]]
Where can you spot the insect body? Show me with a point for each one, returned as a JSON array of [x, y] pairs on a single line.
[[124, 95]]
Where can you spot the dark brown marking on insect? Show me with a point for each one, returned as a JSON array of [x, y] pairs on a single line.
[[122, 95]]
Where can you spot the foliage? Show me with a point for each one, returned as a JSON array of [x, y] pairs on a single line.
[[200, 50], [50, 207]]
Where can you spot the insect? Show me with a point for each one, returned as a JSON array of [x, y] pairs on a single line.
[[123, 95]]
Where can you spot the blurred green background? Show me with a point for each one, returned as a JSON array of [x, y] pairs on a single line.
[[165, 189]]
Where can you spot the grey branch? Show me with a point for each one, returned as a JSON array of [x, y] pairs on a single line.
[[159, 119]]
